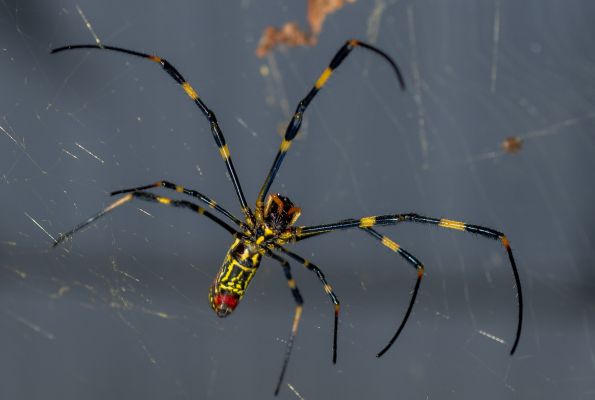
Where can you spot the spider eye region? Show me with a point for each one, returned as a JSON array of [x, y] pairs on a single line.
[[280, 212]]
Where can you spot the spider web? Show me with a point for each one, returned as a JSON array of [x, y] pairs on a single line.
[[121, 310]]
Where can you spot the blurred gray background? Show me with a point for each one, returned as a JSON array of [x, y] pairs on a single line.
[[121, 311]]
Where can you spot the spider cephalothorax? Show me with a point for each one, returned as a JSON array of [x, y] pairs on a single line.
[[280, 213]]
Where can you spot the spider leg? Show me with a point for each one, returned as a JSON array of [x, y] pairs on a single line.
[[296, 120], [386, 241], [145, 196], [180, 189], [304, 232], [328, 290], [215, 129], [299, 304]]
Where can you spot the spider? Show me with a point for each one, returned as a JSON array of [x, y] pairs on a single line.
[[268, 227]]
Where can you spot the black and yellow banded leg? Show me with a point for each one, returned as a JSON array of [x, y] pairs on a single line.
[[145, 196], [296, 120], [305, 232], [327, 289], [190, 192], [215, 129], [296, 317], [396, 248]]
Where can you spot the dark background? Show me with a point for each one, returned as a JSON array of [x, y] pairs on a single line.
[[121, 311]]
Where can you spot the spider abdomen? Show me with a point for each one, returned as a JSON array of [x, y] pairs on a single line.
[[234, 276]]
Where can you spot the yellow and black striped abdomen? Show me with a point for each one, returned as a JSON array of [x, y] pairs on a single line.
[[236, 273]]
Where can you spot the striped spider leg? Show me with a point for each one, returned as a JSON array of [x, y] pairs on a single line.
[[150, 197], [191, 92], [386, 241], [296, 120], [366, 224]]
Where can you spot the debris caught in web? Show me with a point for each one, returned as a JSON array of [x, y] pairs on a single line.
[[291, 35]]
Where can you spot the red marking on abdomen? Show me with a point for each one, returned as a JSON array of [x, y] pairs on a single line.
[[230, 300], [225, 303]]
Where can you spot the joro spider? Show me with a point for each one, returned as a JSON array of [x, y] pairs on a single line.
[[266, 229]]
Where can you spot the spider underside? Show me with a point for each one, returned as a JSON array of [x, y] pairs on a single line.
[[266, 230]]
